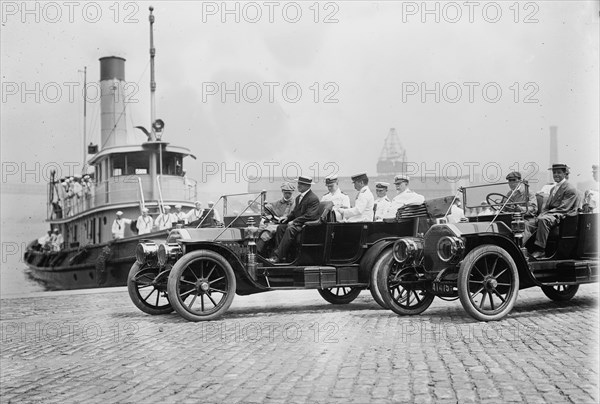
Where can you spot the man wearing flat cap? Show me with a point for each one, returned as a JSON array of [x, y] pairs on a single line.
[[590, 198], [118, 226], [306, 208], [363, 204], [382, 202], [519, 197], [335, 195], [563, 201], [282, 207], [405, 196], [144, 222]]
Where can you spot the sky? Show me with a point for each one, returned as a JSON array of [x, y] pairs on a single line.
[[310, 85]]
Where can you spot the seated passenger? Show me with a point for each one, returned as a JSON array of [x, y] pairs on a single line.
[[563, 201], [196, 213], [282, 208], [335, 195], [590, 198], [144, 222], [382, 202], [216, 215], [405, 196], [179, 215], [306, 208], [527, 201], [364, 203]]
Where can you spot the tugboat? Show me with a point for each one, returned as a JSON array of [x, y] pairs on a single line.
[[123, 175]]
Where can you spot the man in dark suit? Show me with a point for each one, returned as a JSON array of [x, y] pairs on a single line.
[[305, 209], [563, 201]]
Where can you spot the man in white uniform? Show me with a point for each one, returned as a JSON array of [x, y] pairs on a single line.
[[216, 214], [405, 196], [144, 222], [363, 205], [57, 240], [382, 202], [590, 198], [196, 213], [118, 226], [165, 220], [335, 195], [180, 215]]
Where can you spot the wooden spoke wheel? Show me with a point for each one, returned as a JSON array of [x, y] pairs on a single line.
[[488, 283], [560, 293], [340, 294], [402, 290], [147, 287], [201, 285]]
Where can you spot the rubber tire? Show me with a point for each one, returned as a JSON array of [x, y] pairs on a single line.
[[335, 299], [563, 296], [385, 259], [173, 284], [135, 297], [382, 281], [463, 280]]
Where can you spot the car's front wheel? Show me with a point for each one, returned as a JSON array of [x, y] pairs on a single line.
[[147, 288], [488, 283], [402, 290], [201, 285]]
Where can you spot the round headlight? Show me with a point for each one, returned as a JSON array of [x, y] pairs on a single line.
[[168, 252], [145, 253], [407, 250], [450, 249], [162, 255]]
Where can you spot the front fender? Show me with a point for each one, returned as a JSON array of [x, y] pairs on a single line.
[[368, 259]]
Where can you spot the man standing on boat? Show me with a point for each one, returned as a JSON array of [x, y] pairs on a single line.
[[144, 222], [165, 220], [181, 217], [118, 227], [57, 240]]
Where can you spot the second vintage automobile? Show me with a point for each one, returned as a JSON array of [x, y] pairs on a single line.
[[484, 262], [197, 271]]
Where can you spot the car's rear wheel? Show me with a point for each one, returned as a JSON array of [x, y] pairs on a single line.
[[488, 283], [402, 290], [201, 285], [385, 260], [147, 290], [560, 293], [340, 294]]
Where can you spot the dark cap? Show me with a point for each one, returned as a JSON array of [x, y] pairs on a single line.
[[359, 177], [332, 179], [515, 175], [595, 168]]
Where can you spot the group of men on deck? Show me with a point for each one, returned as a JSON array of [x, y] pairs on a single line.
[[165, 220]]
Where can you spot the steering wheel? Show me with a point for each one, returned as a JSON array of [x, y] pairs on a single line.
[[269, 212], [496, 201]]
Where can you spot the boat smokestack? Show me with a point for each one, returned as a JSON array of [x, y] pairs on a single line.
[[112, 103]]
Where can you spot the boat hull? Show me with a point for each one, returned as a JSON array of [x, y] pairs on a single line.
[[92, 266]]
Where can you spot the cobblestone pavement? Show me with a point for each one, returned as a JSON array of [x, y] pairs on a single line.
[[293, 347]]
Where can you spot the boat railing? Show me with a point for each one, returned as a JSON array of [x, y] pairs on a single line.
[[162, 202], [123, 189]]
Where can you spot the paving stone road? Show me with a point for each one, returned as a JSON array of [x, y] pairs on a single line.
[[293, 347]]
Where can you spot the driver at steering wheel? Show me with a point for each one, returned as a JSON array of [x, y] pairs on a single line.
[[520, 199], [281, 208]]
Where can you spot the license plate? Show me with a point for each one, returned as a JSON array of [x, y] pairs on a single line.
[[442, 287]]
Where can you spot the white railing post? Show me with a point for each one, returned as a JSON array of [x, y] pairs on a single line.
[[143, 203], [162, 209]]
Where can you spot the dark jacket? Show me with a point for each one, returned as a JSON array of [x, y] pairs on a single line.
[[305, 210]]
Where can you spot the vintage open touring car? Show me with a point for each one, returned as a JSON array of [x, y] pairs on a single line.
[[484, 262], [197, 271]]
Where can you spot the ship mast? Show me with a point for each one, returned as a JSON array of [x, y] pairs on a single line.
[[153, 91], [84, 118]]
